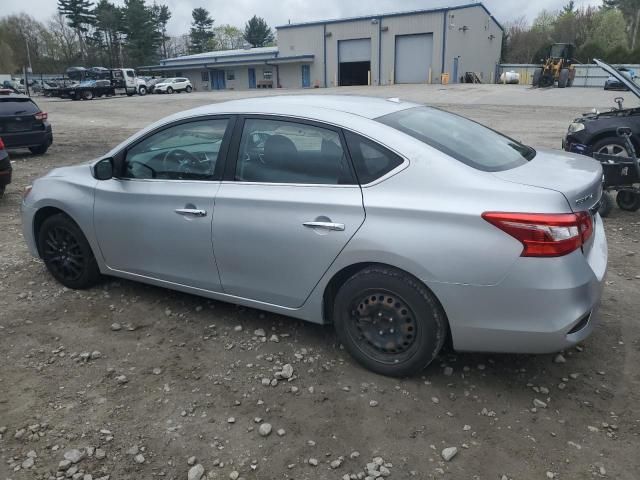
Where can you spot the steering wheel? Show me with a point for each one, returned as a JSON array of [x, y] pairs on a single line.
[[186, 162]]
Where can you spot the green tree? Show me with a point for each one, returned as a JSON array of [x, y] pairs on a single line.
[[609, 29], [80, 17], [141, 37], [631, 11], [161, 16], [257, 32], [109, 26], [201, 30], [568, 8], [228, 37]]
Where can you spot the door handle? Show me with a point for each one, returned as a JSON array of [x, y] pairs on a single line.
[[337, 227], [194, 212]]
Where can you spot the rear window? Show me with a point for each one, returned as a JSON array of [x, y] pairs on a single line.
[[17, 106], [463, 139]]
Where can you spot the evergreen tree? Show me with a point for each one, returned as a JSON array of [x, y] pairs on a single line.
[[201, 30], [161, 16], [257, 32], [141, 36], [109, 27], [80, 17]]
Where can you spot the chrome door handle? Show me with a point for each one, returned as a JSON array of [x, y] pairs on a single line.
[[337, 227], [194, 212]]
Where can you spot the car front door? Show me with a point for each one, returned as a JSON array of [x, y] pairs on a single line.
[[154, 219], [285, 211]]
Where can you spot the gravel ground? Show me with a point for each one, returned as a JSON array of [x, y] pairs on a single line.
[[131, 381]]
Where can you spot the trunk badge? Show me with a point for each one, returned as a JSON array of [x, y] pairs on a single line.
[[582, 200]]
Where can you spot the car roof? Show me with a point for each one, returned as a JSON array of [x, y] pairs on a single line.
[[308, 105]]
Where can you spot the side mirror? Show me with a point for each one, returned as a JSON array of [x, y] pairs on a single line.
[[103, 170]]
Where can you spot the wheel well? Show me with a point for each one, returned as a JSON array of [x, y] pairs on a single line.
[[39, 218], [343, 275]]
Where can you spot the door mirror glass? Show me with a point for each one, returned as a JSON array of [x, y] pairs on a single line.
[[103, 170]]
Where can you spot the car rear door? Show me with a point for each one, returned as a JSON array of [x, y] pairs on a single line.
[[154, 220], [287, 207]]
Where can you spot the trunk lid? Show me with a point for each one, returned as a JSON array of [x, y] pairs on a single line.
[[577, 177]]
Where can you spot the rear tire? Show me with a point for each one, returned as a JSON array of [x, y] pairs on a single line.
[[606, 205], [66, 253], [628, 201], [563, 78], [87, 95], [40, 149], [389, 321], [537, 74]]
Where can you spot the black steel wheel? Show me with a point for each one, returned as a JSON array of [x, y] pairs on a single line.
[[389, 321], [628, 200], [66, 253]]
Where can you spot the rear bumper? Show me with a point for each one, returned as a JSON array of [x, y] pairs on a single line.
[[28, 139], [542, 306]]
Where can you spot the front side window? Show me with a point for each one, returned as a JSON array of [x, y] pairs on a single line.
[[188, 151], [205, 76], [275, 151], [463, 139], [130, 74]]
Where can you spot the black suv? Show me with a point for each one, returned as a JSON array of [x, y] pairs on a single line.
[[596, 132], [23, 124]]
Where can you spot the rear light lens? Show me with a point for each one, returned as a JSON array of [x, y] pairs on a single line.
[[545, 235], [1, 144], [42, 116]]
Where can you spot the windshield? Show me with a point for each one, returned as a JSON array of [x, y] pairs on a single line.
[[463, 139]]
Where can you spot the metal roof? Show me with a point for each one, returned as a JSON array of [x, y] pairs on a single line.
[[229, 63], [241, 52], [393, 14]]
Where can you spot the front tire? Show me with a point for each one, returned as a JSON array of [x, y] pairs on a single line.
[[188, 89], [169, 90], [142, 91], [611, 146], [563, 78], [628, 200], [66, 253], [537, 74], [388, 321]]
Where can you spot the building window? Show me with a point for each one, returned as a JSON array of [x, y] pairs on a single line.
[[231, 75], [205, 76], [267, 75]]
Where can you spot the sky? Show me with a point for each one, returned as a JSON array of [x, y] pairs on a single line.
[[279, 12]]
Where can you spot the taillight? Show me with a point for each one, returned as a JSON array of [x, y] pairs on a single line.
[[1, 144], [545, 235], [41, 116]]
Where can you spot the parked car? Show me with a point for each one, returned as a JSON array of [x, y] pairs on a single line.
[[5, 168], [469, 236], [13, 85], [151, 83], [596, 132], [23, 124], [171, 85], [613, 83]]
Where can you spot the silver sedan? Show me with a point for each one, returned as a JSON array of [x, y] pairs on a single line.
[[402, 225]]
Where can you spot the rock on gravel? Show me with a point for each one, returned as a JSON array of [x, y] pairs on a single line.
[[448, 453], [265, 429], [74, 456], [196, 472], [559, 358]]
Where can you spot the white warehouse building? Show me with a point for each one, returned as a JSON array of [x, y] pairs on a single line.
[[405, 47]]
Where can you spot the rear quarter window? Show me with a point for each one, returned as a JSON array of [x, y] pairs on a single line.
[[17, 106], [371, 160]]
